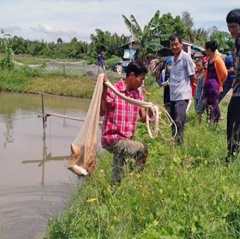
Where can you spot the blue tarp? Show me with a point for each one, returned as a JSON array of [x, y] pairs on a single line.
[[129, 54]]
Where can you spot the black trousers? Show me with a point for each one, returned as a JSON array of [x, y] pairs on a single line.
[[178, 114], [166, 98], [233, 126]]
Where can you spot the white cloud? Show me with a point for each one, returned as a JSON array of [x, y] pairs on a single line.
[[46, 28], [50, 19]]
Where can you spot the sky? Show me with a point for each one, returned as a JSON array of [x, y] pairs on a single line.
[[48, 20]]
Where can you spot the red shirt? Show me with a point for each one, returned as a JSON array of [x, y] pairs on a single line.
[[120, 120], [194, 86]]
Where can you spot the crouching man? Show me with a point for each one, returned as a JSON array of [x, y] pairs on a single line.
[[120, 121]]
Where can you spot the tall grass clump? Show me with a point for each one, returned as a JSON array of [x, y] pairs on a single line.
[[13, 80], [184, 192]]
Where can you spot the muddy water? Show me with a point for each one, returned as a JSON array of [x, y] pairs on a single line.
[[34, 183]]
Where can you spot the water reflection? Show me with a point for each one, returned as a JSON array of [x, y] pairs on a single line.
[[46, 158], [8, 134]]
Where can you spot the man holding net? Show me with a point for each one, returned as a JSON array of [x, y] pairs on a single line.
[[120, 120]]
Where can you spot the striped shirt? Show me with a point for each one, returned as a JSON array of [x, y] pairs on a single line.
[[120, 120]]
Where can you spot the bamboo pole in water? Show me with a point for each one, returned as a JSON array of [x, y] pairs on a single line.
[[63, 116], [44, 117]]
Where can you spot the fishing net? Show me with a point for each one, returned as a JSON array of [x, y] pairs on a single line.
[[84, 146]]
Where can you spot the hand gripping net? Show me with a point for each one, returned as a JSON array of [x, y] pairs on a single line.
[[84, 146]]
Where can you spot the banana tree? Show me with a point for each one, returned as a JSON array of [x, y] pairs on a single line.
[[148, 37], [7, 61]]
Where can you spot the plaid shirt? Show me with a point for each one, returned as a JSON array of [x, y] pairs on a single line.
[[121, 117]]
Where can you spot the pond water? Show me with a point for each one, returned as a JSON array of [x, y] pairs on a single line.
[[34, 182]]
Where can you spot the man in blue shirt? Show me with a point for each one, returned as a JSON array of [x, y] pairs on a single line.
[[101, 62], [229, 62], [181, 78]]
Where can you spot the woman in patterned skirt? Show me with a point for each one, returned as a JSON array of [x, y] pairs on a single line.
[[216, 74]]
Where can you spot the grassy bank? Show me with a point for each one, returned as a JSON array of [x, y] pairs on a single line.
[[57, 78], [29, 81], [184, 192]]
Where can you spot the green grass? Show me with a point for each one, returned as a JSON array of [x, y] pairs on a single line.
[[184, 192], [35, 81]]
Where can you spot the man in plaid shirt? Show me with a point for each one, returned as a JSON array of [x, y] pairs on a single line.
[[120, 120]]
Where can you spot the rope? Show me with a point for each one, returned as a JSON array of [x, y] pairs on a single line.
[[156, 111]]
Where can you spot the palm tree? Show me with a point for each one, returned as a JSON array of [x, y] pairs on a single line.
[[148, 37], [199, 36]]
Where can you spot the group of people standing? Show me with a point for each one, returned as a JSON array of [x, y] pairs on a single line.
[[206, 84], [180, 79]]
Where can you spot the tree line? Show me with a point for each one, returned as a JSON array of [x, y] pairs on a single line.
[[111, 43]]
